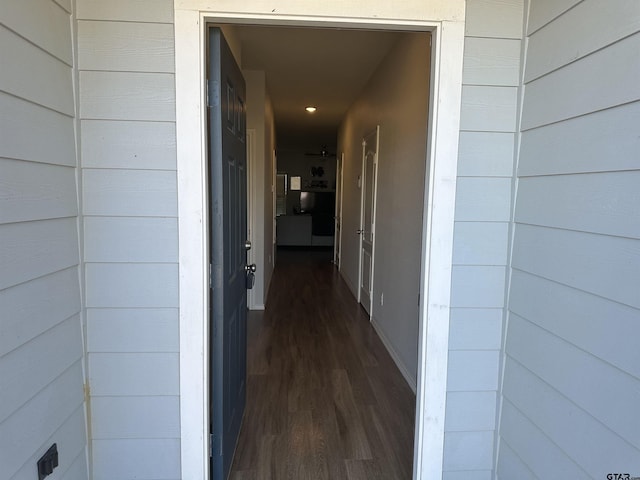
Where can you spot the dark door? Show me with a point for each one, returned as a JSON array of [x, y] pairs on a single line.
[[228, 235]]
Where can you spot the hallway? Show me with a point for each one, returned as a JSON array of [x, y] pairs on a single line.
[[324, 398]]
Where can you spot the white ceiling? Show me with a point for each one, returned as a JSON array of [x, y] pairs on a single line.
[[326, 68]]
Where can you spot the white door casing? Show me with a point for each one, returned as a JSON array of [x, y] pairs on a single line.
[[445, 19], [252, 203], [367, 231], [337, 239]]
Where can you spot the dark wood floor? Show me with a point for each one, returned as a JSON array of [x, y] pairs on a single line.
[[324, 399]]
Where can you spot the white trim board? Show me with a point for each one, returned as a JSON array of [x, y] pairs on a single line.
[[445, 19], [252, 223]]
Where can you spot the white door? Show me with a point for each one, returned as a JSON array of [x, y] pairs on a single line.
[[368, 216], [338, 218]]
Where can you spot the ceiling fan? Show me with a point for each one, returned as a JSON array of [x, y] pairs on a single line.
[[324, 153]]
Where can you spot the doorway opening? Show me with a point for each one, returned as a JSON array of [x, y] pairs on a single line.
[[358, 81], [435, 256]]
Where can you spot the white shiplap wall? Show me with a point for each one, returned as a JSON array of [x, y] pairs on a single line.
[[491, 74], [127, 112], [572, 372], [41, 346]]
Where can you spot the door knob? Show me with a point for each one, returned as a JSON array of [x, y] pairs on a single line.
[[250, 268], [359, 231]]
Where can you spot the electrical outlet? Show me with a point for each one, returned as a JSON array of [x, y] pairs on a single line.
[[48, 462]]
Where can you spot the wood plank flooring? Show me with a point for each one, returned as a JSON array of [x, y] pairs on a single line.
[[324, 398]]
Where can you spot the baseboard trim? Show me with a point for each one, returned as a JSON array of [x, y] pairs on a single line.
[[394, 355], [257, 307], [350, 284]]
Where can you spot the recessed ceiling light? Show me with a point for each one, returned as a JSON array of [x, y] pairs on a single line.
[[311, 109]]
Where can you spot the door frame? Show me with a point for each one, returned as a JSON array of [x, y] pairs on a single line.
[[363, 179], [337, 239], [445, 20], [252, 222]]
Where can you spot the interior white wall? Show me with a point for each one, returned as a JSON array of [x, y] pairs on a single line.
[[396, 98], [270, 147], [260, 120], [571, 383], [128, 160], [41, 339], [256, 100]]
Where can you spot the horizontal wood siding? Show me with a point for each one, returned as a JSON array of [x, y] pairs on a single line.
[[481, 243], [610, 134], [23, 121], [138, 374], [146, 11], [596, 202], [523, 346], [33, 249], [30, 308], [475, 329], [130, 239], [33, 191], [468, 451], [133, 326], [48, 29], [546, 11], [131, 193], [510, 465], [494, 19], [572, 376], [491, 74], [483, 199], [41, 346], [127, 127], [485, 154], [551, 47], [127, 96], [144, 459], [468, 475], [19, 379], [125, 47], [35, 415], [581, 88], [491, 61], [591, 322], [477, 286], [479, 417], [135, 417], [132, 285], [581, 260], [133, 144], [77, 468], [35, 75]]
